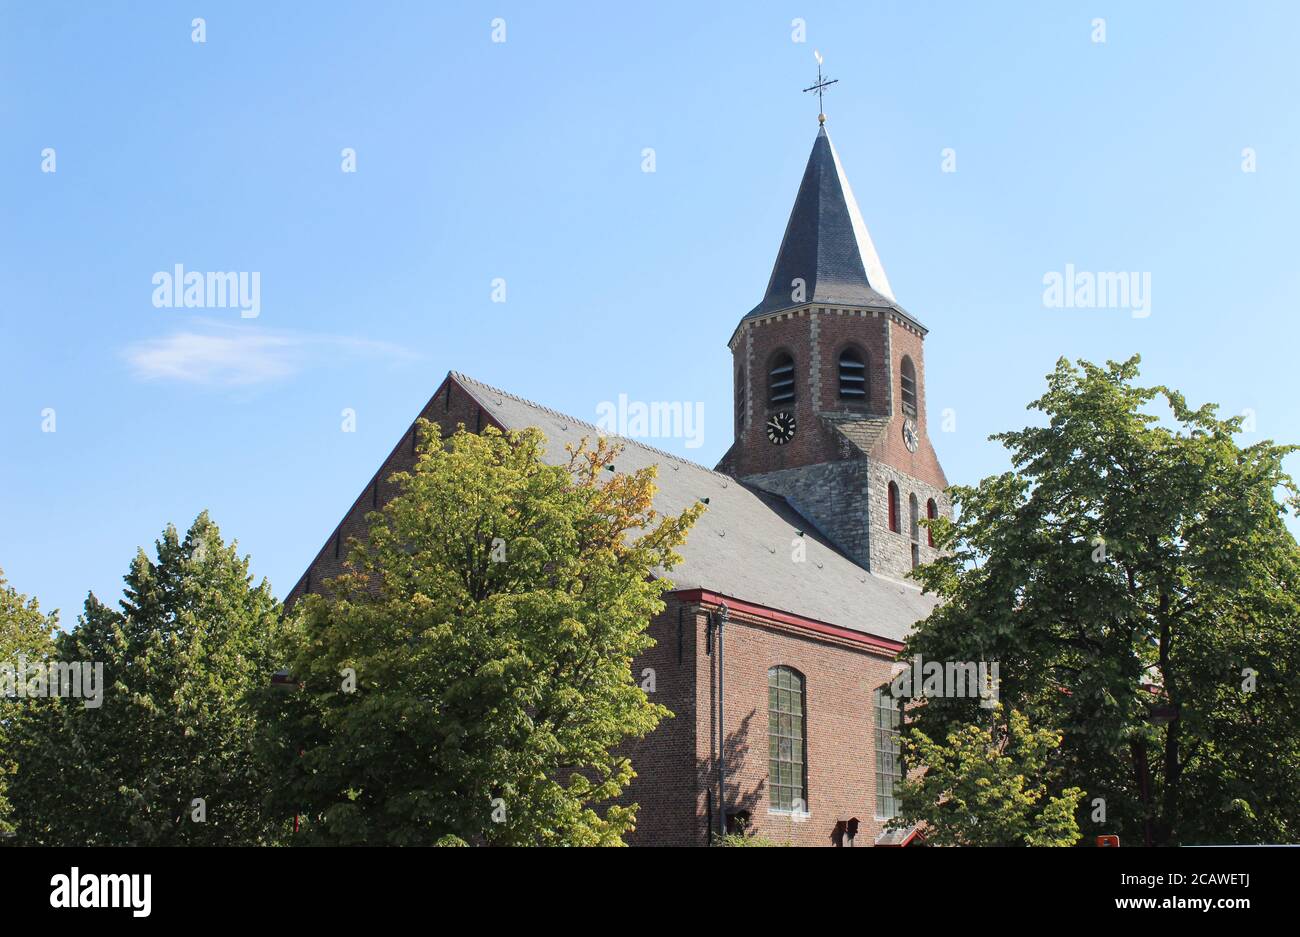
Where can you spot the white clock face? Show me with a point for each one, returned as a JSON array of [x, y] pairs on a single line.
[[780, 428], [910, 438]]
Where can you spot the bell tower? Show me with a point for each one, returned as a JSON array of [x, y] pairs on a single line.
[[828, 372]]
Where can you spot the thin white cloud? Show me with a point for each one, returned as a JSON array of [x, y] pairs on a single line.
[[222, 355]]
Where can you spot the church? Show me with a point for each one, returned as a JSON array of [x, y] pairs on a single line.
[[791, 601]]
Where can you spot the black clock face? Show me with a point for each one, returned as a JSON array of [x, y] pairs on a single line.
[[780, 428]]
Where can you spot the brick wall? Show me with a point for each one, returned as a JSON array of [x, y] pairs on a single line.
[[923, 464], [815, 336], [666, 785], [839, 677], [676, 786], [676, 782], [842, 328], [756, 345], [827, 480], [448, 407]]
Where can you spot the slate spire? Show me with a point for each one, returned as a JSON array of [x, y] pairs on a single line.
[[826, 244]]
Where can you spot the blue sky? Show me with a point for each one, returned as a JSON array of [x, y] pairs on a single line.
[[522, 160]]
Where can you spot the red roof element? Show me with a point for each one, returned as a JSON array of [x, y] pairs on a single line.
[[786, 618]]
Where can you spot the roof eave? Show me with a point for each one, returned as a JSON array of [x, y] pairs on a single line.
[[760, 312]]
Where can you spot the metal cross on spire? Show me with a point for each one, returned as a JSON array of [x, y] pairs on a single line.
[[820, 87]]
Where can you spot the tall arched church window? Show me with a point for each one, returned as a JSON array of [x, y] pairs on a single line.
[[787, 770], [889, 759]]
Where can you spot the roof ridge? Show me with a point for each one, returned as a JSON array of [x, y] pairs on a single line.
[[461, 376]]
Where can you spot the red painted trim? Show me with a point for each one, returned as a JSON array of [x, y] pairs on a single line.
[[786, 618]]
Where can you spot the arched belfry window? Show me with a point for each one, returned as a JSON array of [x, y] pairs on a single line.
[[932, 512], [908, 381], [787, 770], [781, 379], [893, 507], [853, 375]]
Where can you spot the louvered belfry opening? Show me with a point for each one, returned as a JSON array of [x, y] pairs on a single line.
[[853, 376], [909, 387], [781, 379]]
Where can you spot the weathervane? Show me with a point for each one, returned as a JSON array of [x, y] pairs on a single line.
[[821, 86]]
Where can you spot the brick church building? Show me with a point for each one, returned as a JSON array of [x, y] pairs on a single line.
[[791, 602]]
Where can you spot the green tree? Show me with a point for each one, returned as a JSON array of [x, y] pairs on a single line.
[[984, 786], [733, 840], [1134, 578], [490, 621], [26, 636], [193, 638]]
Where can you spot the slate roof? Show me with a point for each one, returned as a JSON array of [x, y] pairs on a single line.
[[827, 245], [741, 546], [861, 431]]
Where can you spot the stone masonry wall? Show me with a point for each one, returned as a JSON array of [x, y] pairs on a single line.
[[833, 496], [891, 551]]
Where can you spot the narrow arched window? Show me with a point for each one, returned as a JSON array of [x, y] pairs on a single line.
[[908, 382], [787, 770], [889, 761], [932, 512], [893, 507], [781, 379], [740, 401], [853, 375], [913, 518]]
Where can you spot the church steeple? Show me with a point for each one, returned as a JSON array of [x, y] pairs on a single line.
[[826, 255], [829, 376]]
